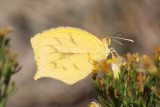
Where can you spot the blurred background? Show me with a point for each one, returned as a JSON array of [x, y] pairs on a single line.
[[137, 19]]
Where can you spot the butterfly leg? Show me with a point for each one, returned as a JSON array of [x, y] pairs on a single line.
[[113, 52]]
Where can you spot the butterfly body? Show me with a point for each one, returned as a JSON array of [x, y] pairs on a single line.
[[67, 53]]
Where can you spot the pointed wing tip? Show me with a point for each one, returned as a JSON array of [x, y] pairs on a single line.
[[36, 78]]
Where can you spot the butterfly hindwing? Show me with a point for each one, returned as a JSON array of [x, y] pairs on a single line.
[[66, 53]]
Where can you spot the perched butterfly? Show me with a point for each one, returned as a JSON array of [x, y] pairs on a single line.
[[67, 53]]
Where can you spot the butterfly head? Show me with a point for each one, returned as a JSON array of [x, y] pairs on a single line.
[[106, 41]]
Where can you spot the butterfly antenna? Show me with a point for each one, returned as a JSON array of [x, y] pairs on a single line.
[[119, 43], [115, 36], [115, 39], [119, 33], [130, 40]]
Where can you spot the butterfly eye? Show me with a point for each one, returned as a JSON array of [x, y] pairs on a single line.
[[108, 41]]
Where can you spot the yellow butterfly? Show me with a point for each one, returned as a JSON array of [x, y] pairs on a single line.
[[67, 53]]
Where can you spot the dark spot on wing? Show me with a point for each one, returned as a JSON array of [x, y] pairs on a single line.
[[75, 66]]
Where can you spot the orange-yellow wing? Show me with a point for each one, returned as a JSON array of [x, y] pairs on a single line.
[[66, 53]]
